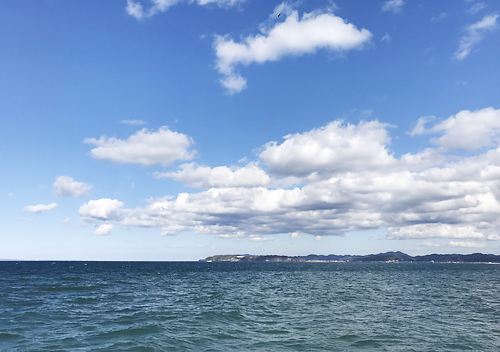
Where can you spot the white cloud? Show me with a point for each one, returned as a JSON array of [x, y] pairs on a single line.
[[292, 37], [104, 229], [475, 33], [393, 5], [428, 244], [476, 8], [466, 130], [420, 126], [347, 181], [133, 122], [336, 147], [441, 16], [136, 10], [256, 238], [466, 244], [101, 209], [65, 186], [222, 176], [386, 38], [40, 207], [431, 230], [144, 147]]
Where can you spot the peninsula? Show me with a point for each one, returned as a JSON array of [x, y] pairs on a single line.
[[381, 257]]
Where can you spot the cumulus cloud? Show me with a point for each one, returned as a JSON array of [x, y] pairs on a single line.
[[336, 147], [133, 122], [293, 37], [466, 130], [40, 207], [144, 147], [104, 229], [222, 176], [65, 186], [347, 181], [101, 209], [475, 34], [136, 10], [393, 5]]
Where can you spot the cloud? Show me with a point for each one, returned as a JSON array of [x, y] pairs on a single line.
[[434, 231], [144, 147], [477, 7], [428, 244], [475, 33], [101, 209], [386, 38], [256, 238], [65, 186], [346, 180], [466, 244], [133, 122], [104, 229], [441, 16], [205, 177], [136, 10], [335, 148], [393, 5], [40, 207], [466, 130], [420, 126], [293, 37]]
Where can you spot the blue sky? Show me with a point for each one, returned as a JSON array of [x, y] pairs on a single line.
[[175, 130]]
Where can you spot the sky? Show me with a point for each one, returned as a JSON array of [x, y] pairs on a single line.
[[180, 129]]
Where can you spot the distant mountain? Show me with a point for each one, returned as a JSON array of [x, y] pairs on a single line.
[[381, 257]]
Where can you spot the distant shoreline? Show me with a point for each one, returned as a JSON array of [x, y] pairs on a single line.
[[396, 257]]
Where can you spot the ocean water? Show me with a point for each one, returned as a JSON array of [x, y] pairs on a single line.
[[169, 306]]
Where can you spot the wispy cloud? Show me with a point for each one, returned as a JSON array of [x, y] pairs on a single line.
[[466, 244], [136, 9], [475, 34], [476, 8], [40, 208], [133, 122], [292, 37], [386, 38], [393, 5], [441, 16]]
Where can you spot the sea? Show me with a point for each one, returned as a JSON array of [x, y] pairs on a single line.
[[223, 306]]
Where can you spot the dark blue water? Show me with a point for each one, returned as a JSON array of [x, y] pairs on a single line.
[[133, 306]]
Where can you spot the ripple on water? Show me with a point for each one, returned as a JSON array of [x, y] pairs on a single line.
[[262, 307]]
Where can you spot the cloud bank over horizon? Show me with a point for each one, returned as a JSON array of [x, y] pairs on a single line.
[[339, 178]]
